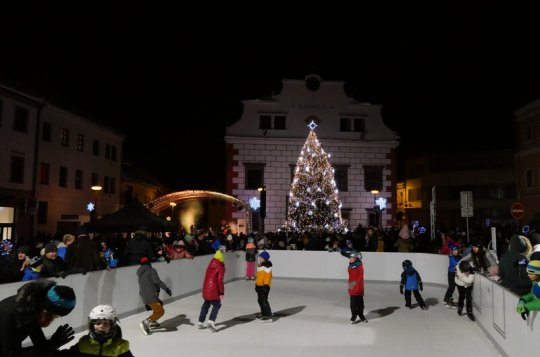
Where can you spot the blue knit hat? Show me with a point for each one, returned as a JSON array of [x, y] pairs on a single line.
[[265, 255], [536, 290], [533, 267], [60, 300]]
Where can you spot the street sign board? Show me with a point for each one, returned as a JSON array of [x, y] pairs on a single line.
[[517, 210], [466, 203]]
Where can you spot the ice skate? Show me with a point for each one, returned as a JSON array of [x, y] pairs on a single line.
[[144, 327], [212, 326]]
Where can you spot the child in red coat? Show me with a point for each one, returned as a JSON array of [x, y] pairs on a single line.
[[356, 287], [213, 289]]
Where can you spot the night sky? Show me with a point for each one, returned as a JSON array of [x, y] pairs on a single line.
[[464, 71]]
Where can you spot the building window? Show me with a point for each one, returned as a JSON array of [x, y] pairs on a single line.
[[414, 194], [95, 148], [359, 125], [529, 179], [341, 175], [64, 137], [106, 184], [108, 151], [280, 122], [254, 176], [528, 134], [291, 170], [80, 142], [62, 179], [345, 124], [43, 208], [112, 186], [21, 119], [352, 124], [78, 179], [95, 179], [17, 169], [44, 173], [373, 178], [46, 133], [114, 154], [265, 122], [276, 122]]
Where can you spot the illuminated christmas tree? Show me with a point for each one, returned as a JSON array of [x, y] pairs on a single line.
[[314, 203]]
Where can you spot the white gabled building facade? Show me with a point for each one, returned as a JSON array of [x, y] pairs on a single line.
[[50, 158], [264, 145]]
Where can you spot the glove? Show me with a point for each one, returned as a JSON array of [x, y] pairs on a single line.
[[221, 296], [520, 309], [525, 314], [61, 336], [421, 286], [168, 291], [401, 289]]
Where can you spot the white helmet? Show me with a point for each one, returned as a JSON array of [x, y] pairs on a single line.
[[103, 312]]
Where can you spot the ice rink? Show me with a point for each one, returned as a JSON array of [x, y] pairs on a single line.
[[311, 318]]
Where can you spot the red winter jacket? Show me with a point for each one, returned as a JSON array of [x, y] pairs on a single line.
[[356, 280], [213, 281]]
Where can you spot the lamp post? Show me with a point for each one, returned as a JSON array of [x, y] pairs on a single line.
[[262, 209], [173, 204], [375, 193], [96, 189]]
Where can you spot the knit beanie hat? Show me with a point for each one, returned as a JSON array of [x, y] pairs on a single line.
[[82, 231], [219, 255], [145, 260], [24, 249], [60, 300], [533, 267], [407, 264], [265, 255], [50, 247], [536, 290]]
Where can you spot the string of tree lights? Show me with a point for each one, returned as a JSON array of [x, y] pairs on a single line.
[[314, 204]]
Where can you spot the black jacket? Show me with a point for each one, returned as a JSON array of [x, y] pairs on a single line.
[[19, 322]]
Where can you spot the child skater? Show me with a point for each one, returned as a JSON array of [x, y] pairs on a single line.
[[356, 287], [464, 282], [213, 289], [104, 336], [453, 260], [412, 282], [149, 286], [262, 286], [531, 301], [251, 257]]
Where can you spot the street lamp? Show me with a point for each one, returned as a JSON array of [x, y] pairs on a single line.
[[376, 209], [173, 204], [96, 189], [262, 208]]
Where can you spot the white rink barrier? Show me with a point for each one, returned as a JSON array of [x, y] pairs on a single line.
[[494, 305]]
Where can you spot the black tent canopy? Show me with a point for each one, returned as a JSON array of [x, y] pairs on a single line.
[[134, 215]]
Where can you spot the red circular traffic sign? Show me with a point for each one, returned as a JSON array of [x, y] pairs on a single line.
[[517, 210]]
